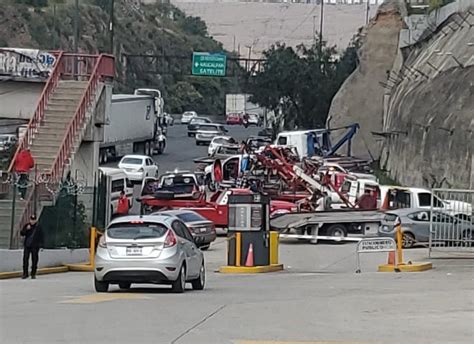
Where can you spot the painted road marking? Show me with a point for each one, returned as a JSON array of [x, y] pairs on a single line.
[[96, 298], [293, 342]]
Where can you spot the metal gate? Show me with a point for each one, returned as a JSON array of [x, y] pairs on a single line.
[[452, 221]]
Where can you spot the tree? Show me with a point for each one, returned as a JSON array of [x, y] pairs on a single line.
[[302, 82]]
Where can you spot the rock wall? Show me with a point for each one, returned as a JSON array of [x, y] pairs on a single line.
[[420, 119], [360, 98], [429, 121]]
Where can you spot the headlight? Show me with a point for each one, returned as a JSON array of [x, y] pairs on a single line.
[[385, 228]]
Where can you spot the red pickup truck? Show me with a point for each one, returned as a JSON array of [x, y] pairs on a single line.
[[216, 209]]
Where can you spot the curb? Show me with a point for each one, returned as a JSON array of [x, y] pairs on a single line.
[[42, 271]]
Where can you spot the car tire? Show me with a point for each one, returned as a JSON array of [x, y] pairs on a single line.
[[205, 247], [125, 285], [408, 240], [337, 231], [100, 286], [178, 286], [198, 283]]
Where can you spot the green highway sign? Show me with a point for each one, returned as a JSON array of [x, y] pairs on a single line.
[[208, 64]]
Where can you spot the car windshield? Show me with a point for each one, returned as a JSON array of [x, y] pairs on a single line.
[[136, 231], [199, 120], [132, 161], [390, 217], [190, 217], [208, 128]]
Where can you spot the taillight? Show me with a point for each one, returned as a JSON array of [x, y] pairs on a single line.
[[170, 239]]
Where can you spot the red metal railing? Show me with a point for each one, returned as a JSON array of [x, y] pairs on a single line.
[[38, 115], [103, 68], [81, 67]]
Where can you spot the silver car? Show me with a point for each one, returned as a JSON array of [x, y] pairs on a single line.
[[206, 132], [416, 226], [202, 230], [148, 249]]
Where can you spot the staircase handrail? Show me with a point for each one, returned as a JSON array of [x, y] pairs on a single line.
[[38, 115], [107, 69]]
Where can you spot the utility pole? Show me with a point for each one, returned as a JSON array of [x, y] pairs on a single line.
[[367, 12], [321, 29], [54, 26], [76, 26], [111, 27]]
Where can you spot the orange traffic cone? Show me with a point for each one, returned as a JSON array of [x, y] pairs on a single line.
[[249, 261], [391, 258]]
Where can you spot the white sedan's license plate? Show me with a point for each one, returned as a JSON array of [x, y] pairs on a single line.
[[134, 251], [203, 230]]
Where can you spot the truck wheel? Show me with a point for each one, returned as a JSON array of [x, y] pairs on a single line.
[[337, 231]]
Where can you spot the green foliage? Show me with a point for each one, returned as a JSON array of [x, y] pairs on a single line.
[[64, 224], [302, 82], [35, 3], [194, 26]]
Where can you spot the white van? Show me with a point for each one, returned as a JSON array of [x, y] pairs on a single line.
[[116, 182]]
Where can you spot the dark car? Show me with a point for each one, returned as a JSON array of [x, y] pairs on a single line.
[[202, 230], [193, 126]]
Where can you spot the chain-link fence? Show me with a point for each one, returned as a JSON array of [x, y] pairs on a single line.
[[67, 209], [452, 221]]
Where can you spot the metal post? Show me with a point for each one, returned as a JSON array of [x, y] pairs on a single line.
[[12, 226], [76, 26], [54, 26], [367, 12], [111, 27], [399, 245], [321, 21], [94, 201], [35, 192]]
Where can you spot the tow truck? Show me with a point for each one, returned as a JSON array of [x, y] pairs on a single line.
[[215, 210]]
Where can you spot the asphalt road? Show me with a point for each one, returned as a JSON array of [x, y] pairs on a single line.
[[317, 299], [181, 149]]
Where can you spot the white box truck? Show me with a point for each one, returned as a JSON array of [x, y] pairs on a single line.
[[134, 125], [235, 103]]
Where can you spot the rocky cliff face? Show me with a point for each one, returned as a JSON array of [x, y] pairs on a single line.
[[422, 113], [429, 123], [360, 98]]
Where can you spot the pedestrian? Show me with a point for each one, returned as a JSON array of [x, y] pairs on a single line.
[[123, 206], [23, 164], [367, 200], [31, 246]]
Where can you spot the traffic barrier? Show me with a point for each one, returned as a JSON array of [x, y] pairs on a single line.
[[400, 266], [451, 222], [249, 260]]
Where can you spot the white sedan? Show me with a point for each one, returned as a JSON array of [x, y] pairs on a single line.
[[187, 117], [138, 167], [219, 141]]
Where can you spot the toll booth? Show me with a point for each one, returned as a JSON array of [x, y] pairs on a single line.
[[249, 223]]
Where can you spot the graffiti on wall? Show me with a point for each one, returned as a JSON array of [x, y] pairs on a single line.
[[25, 64]]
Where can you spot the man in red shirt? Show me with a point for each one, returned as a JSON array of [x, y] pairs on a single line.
[[367, 200], [123, 206], [23, 164]]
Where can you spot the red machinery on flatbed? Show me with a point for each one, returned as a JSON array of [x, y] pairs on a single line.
[[216, 209]]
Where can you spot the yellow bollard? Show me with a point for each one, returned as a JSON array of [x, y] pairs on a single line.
[[399, 245], [238, 249], [92, 246], [274, 247]]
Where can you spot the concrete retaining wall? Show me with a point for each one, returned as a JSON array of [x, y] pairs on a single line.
[[12, 260]]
